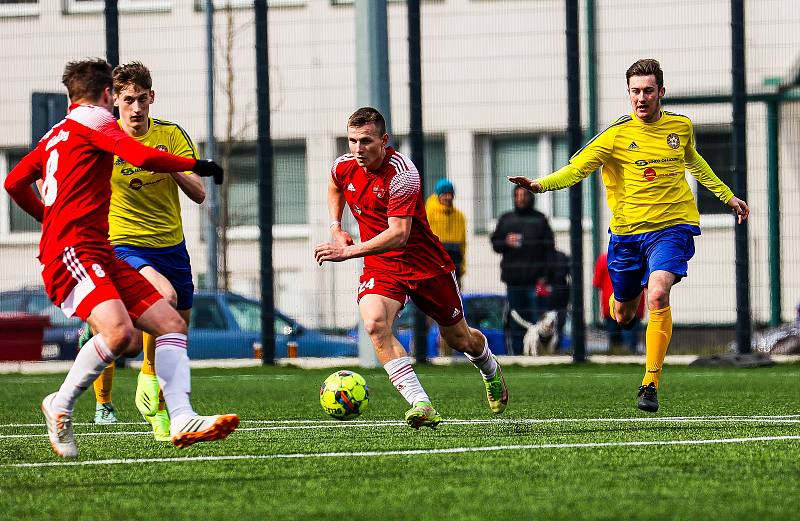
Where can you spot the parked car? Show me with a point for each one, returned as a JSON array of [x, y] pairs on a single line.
[[223, 325], [483, 311], [228, 325], [60, 340]]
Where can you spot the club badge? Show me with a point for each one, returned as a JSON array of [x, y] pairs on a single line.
[[673, 141]]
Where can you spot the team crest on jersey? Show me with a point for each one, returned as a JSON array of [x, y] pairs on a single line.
[[162, 148], [379, 191], [673, 140]]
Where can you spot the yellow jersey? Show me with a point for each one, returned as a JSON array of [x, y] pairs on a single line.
[[145, 208], [644, 167]]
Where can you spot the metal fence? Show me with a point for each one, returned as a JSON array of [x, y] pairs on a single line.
[[495, 99]]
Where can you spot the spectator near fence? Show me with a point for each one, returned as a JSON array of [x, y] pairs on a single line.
[[525, 240], [448, 223]]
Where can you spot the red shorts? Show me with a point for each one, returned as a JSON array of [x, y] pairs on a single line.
[[438, 297], [82, 278]]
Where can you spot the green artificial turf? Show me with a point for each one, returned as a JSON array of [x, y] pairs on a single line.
[[289, 461]]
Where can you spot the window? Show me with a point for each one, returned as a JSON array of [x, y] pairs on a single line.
[[12, 8], [715, 145], [14, 219], [98, 6], [517, 155], [289, 170], [560, 198], [435, 160], [207, 314], [200, 5], [246, 313]]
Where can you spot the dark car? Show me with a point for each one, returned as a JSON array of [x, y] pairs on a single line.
[[60, 340], [228, 325]]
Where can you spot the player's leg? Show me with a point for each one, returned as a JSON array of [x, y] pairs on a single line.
[[149, 399], [439, 298], [104, 411], [668, 254], [380, 299]]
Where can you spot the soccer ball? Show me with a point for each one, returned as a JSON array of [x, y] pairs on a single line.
[[344, 395]]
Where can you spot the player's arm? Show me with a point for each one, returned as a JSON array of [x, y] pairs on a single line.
[[700, 170], [581, 164], [392, 238], [18, 185], [191, 185], [336, 204]]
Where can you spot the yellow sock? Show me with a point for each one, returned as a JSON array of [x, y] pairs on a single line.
[[611, 307], [658, 335], [149, 362], [103, 384]]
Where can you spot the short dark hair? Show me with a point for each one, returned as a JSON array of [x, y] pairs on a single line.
[[646, 67], [132, 74], [366, 115], [87, 79]]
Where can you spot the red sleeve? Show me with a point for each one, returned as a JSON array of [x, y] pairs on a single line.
[[403, 194], [149, 158], [18, 184]]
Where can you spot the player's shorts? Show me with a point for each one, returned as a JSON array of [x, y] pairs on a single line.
[[632, 258], [438, 297], [172, 262], [84, 277]]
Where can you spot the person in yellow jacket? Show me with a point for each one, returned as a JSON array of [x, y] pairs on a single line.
[[448, 223]]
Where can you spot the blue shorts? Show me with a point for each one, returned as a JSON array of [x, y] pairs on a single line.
[[172, 262], [632, 258]]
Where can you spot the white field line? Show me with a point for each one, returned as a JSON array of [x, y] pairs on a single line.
[[289, 425], [418, 452]]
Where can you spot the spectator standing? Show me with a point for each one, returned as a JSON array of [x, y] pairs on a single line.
[[448, 223], [525, 240]]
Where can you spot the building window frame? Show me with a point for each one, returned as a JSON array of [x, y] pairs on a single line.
[[20, 9]]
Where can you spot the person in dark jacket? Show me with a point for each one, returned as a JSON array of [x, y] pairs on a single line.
[[524, 238]]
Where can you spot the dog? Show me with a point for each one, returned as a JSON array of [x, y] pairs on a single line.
[[541, 337]]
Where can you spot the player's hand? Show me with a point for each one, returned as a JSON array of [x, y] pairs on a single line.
[[341, 237], [208, 168], [526, 183], [330, 252], [740, 208]]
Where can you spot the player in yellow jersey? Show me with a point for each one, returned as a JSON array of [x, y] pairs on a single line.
[[654, 214], [146, 230]]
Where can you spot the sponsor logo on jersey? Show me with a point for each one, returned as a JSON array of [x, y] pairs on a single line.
[[351, 188], [649, 173], [673, 140], [135, 184], [119, 161], [645, 162], [357, 209], [633, 146]]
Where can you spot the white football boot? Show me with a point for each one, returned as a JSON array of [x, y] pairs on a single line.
[[59, 429]]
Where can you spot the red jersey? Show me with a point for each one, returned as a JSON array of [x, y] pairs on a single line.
[[393, 190], [78, 154]]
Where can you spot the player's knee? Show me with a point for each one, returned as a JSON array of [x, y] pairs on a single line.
[[170, 296], [119, 338], [657, 298], [375, 327]]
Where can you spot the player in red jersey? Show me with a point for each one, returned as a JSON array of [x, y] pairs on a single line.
[[82, 275], [402, 259]]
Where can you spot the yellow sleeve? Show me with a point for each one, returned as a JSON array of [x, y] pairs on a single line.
[[182, 144], [700, 170], [585, 161]]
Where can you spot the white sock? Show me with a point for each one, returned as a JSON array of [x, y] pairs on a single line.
[[485, 362], [93, 357], [174, 376], [403, 377]]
